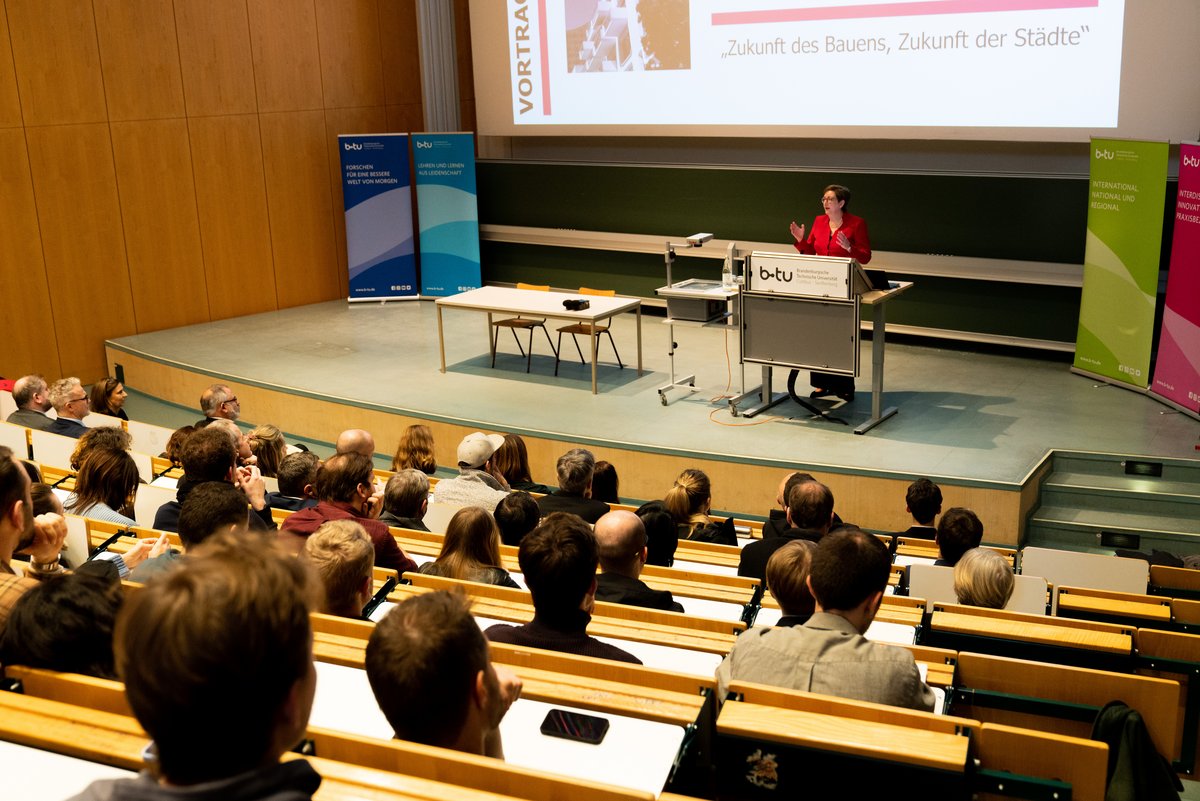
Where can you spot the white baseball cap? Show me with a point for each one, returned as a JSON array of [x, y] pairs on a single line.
[[477, 448]]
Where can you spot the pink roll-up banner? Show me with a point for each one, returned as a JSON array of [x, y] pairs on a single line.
[[1177, 372]]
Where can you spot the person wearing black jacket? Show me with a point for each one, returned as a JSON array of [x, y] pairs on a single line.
[[210, 455], [810, 516], [621, 538]]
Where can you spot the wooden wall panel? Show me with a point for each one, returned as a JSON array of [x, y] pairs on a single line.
[[296, 158], [232, 199], [405, 119], [30, 344], [346, 121], [162, 233], [76, 191], [214, 57], [401, 52], [10, 101], [351, 61], [57, 61], [287, 65], [140, 57]]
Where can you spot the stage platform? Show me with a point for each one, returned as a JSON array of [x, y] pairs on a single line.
[[978, 423]]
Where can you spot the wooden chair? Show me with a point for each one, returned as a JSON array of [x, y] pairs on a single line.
[[588, 330], [525, 324]]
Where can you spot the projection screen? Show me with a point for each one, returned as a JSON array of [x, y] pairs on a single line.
[[1029, 70]]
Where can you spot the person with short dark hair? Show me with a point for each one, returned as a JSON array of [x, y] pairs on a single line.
[[211, 508], [809, 515], [776, 522], [621, 539], [218, 669], [297, 482], [346, 491], [829, 654], [575, 470], [958, 531], [516, 515], [787, 580], [558, 560], [342, 556], [22, 532], [406, 500], [428, 666], [65, 623], [922, 500], [210, 454], [662, 535], [32, 396]]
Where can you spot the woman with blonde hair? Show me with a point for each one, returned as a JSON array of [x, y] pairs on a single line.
[[267, 445], [689, 500], [511, 459], [471, 550], [415, 450], [983, 578]]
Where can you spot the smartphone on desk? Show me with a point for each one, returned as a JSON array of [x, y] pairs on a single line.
[[574, 726]]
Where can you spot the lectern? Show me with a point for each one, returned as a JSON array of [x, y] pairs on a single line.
[[804, 312]]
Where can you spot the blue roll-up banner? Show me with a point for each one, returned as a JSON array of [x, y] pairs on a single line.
[[377, 188], [447, 212]]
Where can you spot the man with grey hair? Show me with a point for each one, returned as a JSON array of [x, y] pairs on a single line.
[[478, 482], [575, 468], [245, 455], [356, 440], [71, 404], [406, 499], [621, 538], [218, 402], [32, 397]]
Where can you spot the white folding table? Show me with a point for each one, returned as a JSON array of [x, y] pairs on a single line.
[[535, 303]]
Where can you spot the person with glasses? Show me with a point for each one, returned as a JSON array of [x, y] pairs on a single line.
[[218, 403], [837, 232], [70, 402]]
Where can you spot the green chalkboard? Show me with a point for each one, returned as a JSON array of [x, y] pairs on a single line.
[[1023, 218]]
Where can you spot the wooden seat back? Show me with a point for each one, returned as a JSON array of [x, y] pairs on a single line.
[[1158, 700]]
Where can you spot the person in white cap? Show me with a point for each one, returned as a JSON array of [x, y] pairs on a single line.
[[478, 483]]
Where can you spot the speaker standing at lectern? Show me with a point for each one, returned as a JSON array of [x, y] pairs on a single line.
[[837, 232]]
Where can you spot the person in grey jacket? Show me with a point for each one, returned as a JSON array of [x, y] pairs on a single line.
[[829, 654]]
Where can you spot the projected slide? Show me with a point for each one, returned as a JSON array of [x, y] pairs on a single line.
[[948, 63]]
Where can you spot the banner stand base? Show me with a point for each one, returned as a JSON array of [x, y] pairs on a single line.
[[1193, 413], [1110, 381], [383, 299]]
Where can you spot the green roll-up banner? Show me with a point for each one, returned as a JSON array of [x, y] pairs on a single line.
[[1120, 264]]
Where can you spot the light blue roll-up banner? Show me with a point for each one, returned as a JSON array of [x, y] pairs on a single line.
[[447, 212], [377, 191]]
